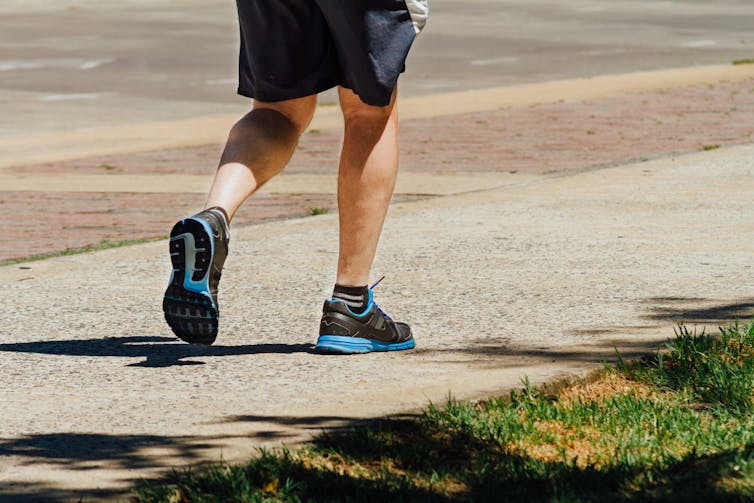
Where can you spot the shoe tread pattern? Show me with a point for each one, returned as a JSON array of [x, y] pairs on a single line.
[[191, 315]]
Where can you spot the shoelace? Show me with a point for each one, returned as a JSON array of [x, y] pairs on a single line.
[[377, 306], [376, 283]]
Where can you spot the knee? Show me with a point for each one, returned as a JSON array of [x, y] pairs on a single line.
[[359, 115], [366, 122], [366, 116]]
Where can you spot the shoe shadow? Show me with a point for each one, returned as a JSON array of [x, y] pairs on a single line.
[[157, 351]]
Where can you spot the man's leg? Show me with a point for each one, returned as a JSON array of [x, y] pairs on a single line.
[[366, 178], [351, 321], [258, 147]]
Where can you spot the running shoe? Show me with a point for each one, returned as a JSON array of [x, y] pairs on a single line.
[[198, 247], [342, 331]]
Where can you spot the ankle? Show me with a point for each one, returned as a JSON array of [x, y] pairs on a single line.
[[221, 210]]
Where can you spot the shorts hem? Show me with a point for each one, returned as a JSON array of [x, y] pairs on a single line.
[[372, 99], [292, 95], [284, 95]]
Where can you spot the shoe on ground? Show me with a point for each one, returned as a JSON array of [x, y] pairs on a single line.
[[198, 247], [342, 331]]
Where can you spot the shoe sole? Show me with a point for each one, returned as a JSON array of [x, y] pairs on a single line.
[[344, 345], [188, 305]]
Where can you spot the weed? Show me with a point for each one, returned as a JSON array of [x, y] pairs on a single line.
[[102, 245], [709, 147], [319, 211], [747, 61], [714, 370]]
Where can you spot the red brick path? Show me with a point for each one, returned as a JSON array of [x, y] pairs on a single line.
[[538, 139]]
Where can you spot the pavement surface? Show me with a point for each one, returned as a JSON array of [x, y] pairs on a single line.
[[69, 64], [541, 278], [539, 225]]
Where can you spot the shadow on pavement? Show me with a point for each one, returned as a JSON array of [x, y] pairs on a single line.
[[309, 425], [167, 351], [83, 452], [42, 492], [139, 453], [158, 351], [698, 310], [487, 353], [86, 451]]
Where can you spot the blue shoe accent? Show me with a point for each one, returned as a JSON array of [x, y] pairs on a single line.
[[365, 312], [353, 345]]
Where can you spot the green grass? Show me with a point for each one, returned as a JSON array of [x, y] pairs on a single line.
[[319, 211], [709, 147], [747, 61], [102, 245], [676, 426]]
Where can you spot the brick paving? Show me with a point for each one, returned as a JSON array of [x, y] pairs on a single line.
[[77, 219], [542, 139], [586, 134]]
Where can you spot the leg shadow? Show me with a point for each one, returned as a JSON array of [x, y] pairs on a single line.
[[157, 351]]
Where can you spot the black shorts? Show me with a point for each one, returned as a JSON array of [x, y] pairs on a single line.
[[296, 48]]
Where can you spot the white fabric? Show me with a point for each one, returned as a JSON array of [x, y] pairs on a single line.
[[419, 10]]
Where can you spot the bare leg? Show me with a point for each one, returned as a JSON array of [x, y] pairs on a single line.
[[366, 178], [259, 146]]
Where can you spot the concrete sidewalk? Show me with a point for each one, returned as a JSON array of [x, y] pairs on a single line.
[[541, 277]]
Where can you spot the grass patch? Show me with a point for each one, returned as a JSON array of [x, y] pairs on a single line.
[[709, 147], [676, 426], [102, 245], [319, 211], [748, 61]]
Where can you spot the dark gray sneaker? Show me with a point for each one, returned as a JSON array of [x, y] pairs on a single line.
[[198, 247], [342, 331]]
